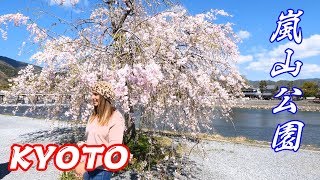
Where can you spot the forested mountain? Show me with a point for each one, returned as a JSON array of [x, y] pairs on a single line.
[[296, 83], [9, 68]]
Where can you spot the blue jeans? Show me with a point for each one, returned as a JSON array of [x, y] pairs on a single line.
[[97, 174]]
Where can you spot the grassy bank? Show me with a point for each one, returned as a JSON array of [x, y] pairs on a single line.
[[217, 137]]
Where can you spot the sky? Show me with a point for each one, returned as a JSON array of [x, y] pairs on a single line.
[[253, 21]]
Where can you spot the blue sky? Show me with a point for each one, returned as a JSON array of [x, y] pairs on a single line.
[[254, 21]]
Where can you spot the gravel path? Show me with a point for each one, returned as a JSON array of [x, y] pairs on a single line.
[[221, 160]]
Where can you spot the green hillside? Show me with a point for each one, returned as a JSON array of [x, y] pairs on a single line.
[[9, 68]]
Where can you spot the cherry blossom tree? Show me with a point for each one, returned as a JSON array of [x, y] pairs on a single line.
[[173, 68]]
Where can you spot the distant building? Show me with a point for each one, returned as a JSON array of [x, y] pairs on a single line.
[[252, 93], [268, 93]]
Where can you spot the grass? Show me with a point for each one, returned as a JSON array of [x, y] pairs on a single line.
[[216, 137], [69, 175]]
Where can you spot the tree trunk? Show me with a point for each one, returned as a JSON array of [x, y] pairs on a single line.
[[130, 133]]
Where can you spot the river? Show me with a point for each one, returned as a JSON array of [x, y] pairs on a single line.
[[260, 124]]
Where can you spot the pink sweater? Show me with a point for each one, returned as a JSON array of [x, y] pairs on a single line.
[[110, 134]]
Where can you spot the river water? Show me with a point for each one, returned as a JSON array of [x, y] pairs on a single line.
[[260, 124], [257, 124]]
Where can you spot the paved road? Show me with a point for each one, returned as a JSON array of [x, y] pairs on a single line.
[[15, 129]]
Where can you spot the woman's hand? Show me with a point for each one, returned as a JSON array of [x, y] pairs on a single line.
[[80, 169]]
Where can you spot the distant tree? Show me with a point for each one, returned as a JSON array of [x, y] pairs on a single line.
[[290, 84], [246, 81], [4, 86], [310, 89], [263, 86], [275, 90]]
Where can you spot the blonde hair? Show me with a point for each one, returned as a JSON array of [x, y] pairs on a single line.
[[103, 111]]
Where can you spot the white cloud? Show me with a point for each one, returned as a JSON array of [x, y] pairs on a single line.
[[310, 47], [309, 70], [243, 34], [221, 12], [243, 59], [66, 3], [78, 6]]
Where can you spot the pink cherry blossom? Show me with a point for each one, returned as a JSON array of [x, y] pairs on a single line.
[[173, 67]]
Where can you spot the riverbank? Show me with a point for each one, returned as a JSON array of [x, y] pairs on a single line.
[[303, 105], [202, 137], [209, 157]]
